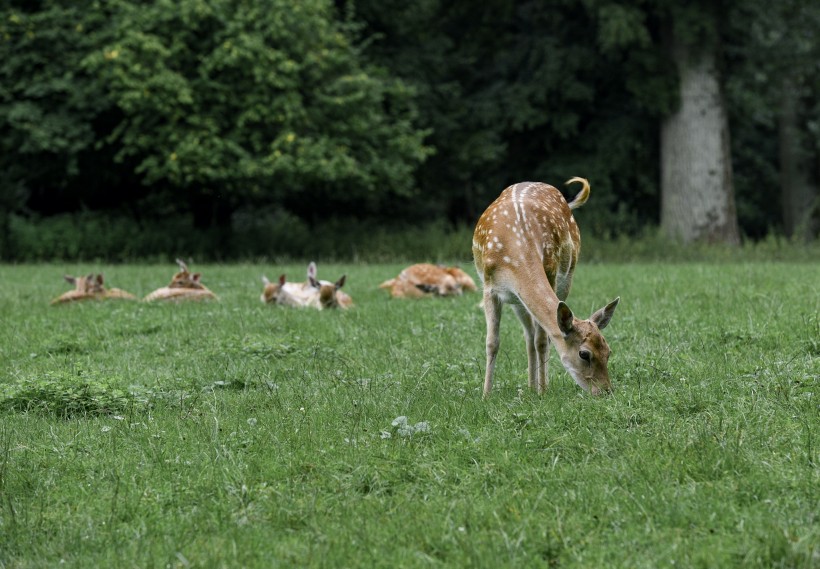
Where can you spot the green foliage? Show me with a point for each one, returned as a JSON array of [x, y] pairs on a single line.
[[770, 48], [258, 234], [68, 394], [384, 111], [535, 91], [47, 103], [263, 102], [273, 233]]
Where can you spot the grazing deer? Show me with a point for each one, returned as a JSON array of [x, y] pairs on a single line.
[[425, 279], [525, 248], [90, 287], [184, 286]]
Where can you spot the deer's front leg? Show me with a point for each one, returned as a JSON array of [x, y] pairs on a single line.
[[542, 348], [492, 312], [530, 327]]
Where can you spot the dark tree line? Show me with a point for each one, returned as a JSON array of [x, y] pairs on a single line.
[[700, 117]]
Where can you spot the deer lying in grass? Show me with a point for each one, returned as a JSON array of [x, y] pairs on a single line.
[[525, 248], [90, 287], [184, 286], [312, 293], [425, 279], [331, 294], [288, 294]]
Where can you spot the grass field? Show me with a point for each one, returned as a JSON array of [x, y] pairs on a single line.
[[233, 434]]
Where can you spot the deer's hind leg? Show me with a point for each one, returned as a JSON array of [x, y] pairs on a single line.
[[531, 329]]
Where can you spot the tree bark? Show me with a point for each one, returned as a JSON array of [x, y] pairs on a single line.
[[799, 194], [697, 193]]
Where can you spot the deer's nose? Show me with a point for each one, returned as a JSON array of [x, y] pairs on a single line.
[[604, 390]]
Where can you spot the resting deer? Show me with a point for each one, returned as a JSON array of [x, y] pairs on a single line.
[[525, 248], [184, 286], [330, 294], [287, 294], [85, 288], [115, 293], [90, 287], [425, 279], [312, 293]]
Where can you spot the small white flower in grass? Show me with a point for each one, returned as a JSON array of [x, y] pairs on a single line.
[[422, 427], [252, 421], [385, 435], [105, 429], [404, 429]]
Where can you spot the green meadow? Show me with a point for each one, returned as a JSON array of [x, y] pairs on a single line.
[[235, 434]]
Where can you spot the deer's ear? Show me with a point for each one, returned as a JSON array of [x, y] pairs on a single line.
[[311, 271], [341, 282], [565, 318], [602, 317], [100, 278], [70, 279], [182, 266], [281, 279], [196, 276], [265, 280]]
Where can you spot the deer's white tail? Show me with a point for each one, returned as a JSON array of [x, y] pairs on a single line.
[[582, 196]]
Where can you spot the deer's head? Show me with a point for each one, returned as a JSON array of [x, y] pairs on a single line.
[[89, 284], [327, 291], [185, 279], [272, 290], [587, 354]]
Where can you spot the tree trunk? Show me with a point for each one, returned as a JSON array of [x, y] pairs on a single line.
[[799, 193], [697, 193]]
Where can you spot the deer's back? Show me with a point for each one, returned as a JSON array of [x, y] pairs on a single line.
[[530, 223]]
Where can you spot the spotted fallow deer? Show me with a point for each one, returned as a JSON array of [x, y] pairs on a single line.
[[184, 285], [284, 293], [312, 293], [330, 294], [525, 248], [85, 288], [111, 293], [90, 287], [425, 279]]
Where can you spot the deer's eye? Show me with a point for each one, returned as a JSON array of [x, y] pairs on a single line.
[[585, 355]]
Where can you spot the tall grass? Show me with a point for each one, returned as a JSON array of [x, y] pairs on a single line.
[[236, 434]]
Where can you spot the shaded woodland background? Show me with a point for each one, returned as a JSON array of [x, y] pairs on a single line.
[[233, 129]]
